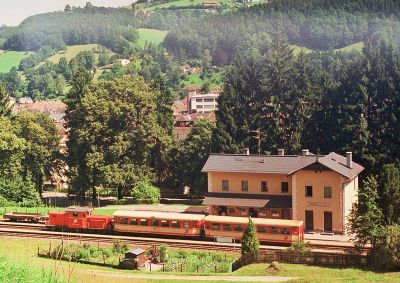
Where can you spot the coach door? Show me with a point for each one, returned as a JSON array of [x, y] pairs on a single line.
[[309, 220], [327, 221]]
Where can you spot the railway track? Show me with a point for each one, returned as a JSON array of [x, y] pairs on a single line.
[[29, 230]]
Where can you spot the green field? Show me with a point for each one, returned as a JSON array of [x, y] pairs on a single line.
[[358, 46], [24, 252], [194, 79], [72, 51], [297, 49], [46, 210], [9, 59], [154, 36], [321, 274], [185, 3], [353, 47]]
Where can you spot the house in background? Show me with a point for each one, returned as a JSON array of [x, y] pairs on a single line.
[[203, 103], [320, 190], [184, 123]]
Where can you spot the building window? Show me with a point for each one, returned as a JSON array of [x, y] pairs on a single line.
[[225, 185], [215, 226], [238, 227], [261, 229], [284, 187], [308, 191], [199, 106], [245, 186], [327, 192], [208, 100], [264, 186], [276, 213], [199, 99], [226, 227]]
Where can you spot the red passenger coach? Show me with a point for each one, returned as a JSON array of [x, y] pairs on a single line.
[[161, 223], [268, 230], [78, 218]]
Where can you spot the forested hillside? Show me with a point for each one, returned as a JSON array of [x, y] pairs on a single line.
[[107, 26], [315, 24]]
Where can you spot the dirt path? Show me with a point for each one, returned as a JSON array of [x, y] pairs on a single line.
[[179, 278]]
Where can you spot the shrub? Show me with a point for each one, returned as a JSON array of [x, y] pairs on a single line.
[[119, 248], [20, 192], [163, 253], [145, 192], [299, 246], [386, 253]]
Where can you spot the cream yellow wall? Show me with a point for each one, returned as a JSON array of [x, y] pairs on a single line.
[[317, 203], [350, 197], [235, 182]]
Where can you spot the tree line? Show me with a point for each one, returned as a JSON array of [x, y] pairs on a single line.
[[29, 154], [315, 24], [110, 27]]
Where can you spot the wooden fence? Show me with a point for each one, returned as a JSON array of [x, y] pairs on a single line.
[[296, 258]]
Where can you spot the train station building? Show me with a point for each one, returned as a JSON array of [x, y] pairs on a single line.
[[318, 189]]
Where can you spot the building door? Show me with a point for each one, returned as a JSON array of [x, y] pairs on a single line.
[[285, 214], [328, 221], [309, 220], [222, 210]]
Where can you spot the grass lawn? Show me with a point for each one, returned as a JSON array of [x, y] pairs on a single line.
[[321, 274], [72, 51], [353, 47], [46, 210], [358, 46], [24, 251], [297, 49], [9, 59], [154, 36], [194, 79], [184, 3]]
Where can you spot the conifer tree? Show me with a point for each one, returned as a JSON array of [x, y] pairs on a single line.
[[5, 109], [276, 104], [250, 243], [365, 219], [389, 185]]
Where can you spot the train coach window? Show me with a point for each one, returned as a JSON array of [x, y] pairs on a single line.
[[285, 230], [195, 224], [186, 224], [175, 224], [154, 222], [164, 223], [143, 222], [215, 226], [123, 221], [133, 222], [75, 214], [261, 229], [226, 227], [238, 227], [295, 230], [273, 230]]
